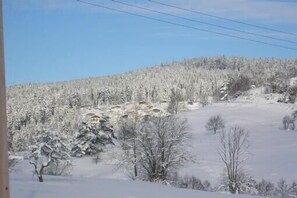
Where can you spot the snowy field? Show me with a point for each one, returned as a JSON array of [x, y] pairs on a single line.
[[68, 187], [272, 155], [272, 151]]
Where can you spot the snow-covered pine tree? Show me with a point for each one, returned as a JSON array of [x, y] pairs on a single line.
[[92, 137]]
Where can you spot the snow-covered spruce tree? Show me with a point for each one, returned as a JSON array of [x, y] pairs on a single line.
[[163, 147], [174, 104], [91, 138], [238, 84], [233, 151], [224, 91], [49, 154], [215, 123]]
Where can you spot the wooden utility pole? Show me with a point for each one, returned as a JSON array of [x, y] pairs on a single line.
[[4, 187]]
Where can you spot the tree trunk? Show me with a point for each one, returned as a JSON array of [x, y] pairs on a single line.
[[135, 158], [40, 178], [135, 170], [232, 188]]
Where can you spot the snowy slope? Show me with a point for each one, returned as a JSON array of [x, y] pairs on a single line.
[[272, 152], [91, 180], [68, 187], [272, 156]]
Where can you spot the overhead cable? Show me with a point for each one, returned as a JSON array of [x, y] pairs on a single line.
[[185, 26], [223, 18], [201, 22]]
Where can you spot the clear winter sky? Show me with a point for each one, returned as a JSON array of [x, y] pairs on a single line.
[[56, 40]]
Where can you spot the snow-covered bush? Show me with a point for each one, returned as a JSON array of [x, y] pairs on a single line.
[[12, 161], [192, 182], [265, 188], [91, 138], [282, 189], [278, 85], [242, 183], [247, 185], [59, 167], [289, 122], [292, 94], [293, 190], [49, 154]]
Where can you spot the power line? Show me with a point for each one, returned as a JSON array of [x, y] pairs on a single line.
[[185, 26], [223, 18], [201, 22]]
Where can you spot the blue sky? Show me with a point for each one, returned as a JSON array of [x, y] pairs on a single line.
[[57, 40]]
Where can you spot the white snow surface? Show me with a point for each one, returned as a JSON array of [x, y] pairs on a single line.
[[272, 155], [272, 150], [69, 187]]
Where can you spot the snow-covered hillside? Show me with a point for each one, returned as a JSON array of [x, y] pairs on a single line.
[[61, 106], [272, 155], [272, 151]]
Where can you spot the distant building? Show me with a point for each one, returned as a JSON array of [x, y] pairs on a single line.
[[92, 118], [95, 119]]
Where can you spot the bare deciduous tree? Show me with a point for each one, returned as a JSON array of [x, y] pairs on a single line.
[[155, 148], [128, 134], [49, 150], [233, 150], [163, 144], [215, 123]]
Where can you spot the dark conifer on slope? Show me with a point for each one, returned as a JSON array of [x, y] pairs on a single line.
[[91, 138]]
